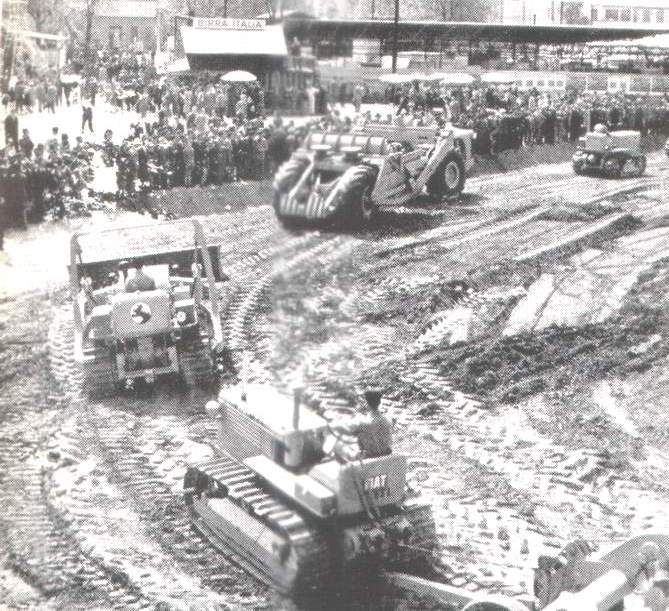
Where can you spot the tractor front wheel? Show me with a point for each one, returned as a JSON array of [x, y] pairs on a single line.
[[357, 206], [449, 178]]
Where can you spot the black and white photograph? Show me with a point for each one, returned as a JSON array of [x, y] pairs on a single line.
[[334, 305]]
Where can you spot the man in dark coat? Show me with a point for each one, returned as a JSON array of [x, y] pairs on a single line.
[[26, 144], [12, 130]]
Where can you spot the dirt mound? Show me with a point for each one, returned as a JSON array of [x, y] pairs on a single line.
[[570, 212], [509, 368]]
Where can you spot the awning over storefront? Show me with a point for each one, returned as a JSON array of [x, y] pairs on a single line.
[[42, 36], [268, 41]]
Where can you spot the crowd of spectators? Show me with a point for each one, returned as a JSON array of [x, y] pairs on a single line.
[[506, 118], [206, 132], [44, 180]]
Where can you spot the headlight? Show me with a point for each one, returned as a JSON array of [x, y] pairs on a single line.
[[181, 317]]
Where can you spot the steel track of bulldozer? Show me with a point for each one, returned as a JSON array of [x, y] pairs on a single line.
[[99, 373], [309, 548], [312, 551], [196, 363]]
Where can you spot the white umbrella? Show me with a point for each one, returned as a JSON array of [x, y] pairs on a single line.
[[500, 78], [396, 79], [69, 79], [454, 78], [238, 76]]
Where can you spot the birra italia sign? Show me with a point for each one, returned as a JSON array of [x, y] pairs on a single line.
[[223, 23]]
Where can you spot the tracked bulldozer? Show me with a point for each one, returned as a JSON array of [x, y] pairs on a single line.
[[615, 154], [281, 500], [344, 179], [172, 328]]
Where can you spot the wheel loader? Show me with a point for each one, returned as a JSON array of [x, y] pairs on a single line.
[[344, 179], [122, 335], [285, 498], [614, 154]]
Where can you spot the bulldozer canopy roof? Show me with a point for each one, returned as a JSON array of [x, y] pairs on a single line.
[[170, 242]]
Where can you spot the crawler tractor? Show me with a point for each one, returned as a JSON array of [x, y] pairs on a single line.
[[280, 500], [343, 179], [613, 154], [171, 330]]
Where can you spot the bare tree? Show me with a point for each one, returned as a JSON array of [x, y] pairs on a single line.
[[89, 14], [47, 14]]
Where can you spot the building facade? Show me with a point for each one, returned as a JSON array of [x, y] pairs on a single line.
[[122, 24], [630, 13]]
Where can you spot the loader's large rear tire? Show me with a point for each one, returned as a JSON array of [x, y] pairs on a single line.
[[357, 209], [449, 178], [285, 179], [196, 363], [100, 379]]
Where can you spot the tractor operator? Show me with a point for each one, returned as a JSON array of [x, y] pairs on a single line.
[[373, 430], [141, 281]]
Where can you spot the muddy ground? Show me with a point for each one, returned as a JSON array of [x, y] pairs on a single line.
[[521, 442]]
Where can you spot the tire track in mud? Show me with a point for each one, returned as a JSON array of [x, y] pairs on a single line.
[[41, 543], [127, 461], [118, 485], [246, 342], [496, 537], [159, 558]]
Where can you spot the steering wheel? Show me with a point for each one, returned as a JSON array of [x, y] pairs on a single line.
[[335, 440]]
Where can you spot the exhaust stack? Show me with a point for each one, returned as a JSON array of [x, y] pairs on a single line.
[[373, 398], [297, 399]]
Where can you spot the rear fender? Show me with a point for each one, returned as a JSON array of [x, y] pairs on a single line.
[[442, 148], [390, 184], [463, 144]]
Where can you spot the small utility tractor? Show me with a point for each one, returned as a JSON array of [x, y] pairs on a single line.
[[171, 328], [614, 154], [344, 179]]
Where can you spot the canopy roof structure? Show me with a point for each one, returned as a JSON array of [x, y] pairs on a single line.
[[42, 36], [301, 27], [658, 41], [269, 41]]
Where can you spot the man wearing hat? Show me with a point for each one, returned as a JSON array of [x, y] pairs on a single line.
[[372, 429]]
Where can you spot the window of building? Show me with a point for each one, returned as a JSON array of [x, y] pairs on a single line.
[[646, 15], [593, 14], [625, 14], [134, 33], [659, 15], [611, 14]]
